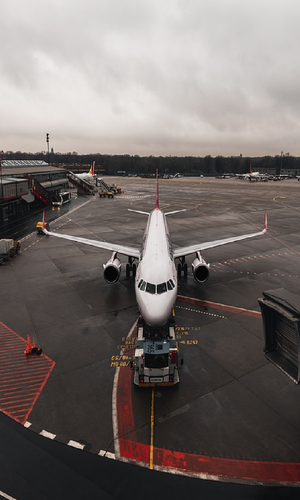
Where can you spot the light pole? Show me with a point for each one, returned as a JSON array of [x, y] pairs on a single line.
[[47, 141], [1, 177]]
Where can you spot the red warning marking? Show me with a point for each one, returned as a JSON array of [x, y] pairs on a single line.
[[222, 468], [22, 378], [222, 307]]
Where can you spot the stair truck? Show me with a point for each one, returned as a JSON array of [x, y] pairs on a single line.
[[156, 360]]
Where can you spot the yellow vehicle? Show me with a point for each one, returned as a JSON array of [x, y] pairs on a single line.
[[39, 227], [103, 194]]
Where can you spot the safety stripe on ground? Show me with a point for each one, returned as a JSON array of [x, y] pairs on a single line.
[[22, 378]]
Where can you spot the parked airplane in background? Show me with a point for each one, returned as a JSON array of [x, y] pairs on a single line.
[[155, 272], [89, 176], [253, 176]]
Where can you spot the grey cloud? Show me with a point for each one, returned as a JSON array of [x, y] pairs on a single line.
[[175, 77]]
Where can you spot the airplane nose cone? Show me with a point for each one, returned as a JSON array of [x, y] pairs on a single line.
[[156, 312]]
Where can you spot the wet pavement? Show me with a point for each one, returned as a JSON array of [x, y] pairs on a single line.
[[234, 415]]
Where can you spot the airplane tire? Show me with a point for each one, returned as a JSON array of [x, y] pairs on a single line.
[[179, 268], [185, 270], [133, 270]]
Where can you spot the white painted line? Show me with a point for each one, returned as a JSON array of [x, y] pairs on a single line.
[[75, 444], [27, 424], [107, 454], [48, 435], [8, 497]]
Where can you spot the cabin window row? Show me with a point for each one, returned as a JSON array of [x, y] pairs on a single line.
[[153, 289]]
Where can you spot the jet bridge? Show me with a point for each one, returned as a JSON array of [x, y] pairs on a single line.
[[281, 320]]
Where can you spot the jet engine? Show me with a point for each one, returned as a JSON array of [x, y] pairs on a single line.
[[112, 269], [200, 269]]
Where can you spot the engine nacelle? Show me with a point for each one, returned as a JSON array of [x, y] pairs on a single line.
[[112, 270], [200, 269]]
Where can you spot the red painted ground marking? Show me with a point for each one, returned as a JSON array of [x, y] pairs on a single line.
[[222, 307], [224, 468], [22, 378], [124, 405]]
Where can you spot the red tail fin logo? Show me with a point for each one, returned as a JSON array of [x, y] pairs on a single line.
[[92, 169]]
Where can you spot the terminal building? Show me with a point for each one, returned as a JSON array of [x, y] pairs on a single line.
[[26, 185]]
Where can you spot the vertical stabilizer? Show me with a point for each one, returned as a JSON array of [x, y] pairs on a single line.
[[157, 203], [92, 169]]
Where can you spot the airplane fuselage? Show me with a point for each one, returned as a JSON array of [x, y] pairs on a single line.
[[86, 177], [156, 276]]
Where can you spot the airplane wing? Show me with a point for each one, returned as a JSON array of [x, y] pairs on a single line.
[[183, 251], [123, 250]]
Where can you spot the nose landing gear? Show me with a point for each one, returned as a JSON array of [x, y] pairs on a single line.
[[130, 267], [182, 268]]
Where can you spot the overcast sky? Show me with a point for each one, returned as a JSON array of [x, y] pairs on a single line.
[[150, 77]]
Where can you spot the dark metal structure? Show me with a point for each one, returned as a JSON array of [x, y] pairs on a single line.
[[281, 320]]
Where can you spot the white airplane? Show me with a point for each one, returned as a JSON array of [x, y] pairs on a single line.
[[87, 176], [155, 274], [253, 176]]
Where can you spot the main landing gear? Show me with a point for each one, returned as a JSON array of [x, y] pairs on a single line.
[[182, 268], [130, 267]]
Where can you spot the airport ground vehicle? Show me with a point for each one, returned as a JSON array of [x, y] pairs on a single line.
[[62, 198], [156, 356], [103, 194], [40, 225], [8, 248]]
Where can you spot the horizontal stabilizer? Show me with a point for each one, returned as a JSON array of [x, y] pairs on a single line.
[[175, 212], [138, 211]]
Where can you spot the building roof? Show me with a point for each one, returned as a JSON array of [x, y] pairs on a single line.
[[24, 163], [27, 167]]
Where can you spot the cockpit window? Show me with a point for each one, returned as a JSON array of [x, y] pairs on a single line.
[[161, 288], [150, 288], [153, 289], [171, 285]]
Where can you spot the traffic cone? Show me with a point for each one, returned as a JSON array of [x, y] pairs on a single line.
[[34, 349], [28, 346]]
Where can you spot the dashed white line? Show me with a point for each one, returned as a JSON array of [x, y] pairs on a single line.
[[47, 434], [201, 312], [27, 424], [75, 444], [107, 454]]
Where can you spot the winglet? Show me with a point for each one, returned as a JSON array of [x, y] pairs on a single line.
[[157, 204]]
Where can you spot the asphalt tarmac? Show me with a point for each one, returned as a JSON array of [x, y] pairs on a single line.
[[234, 416]]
